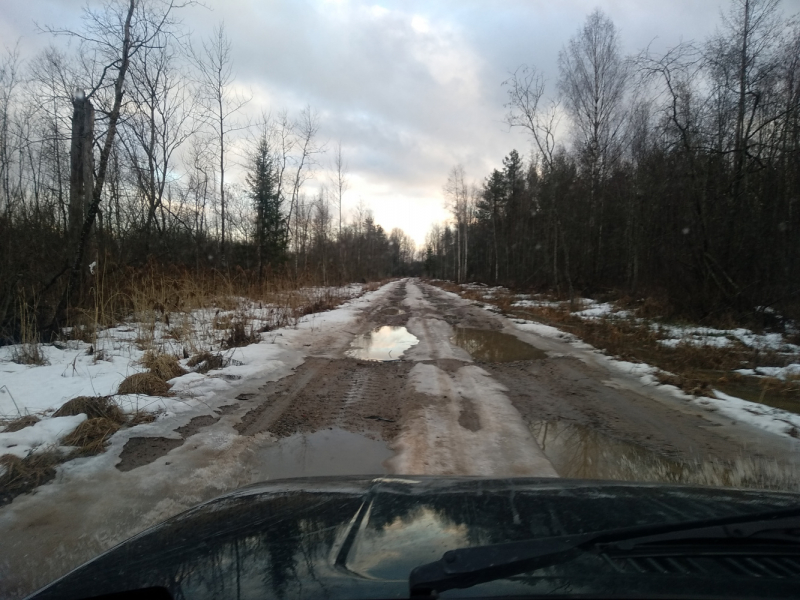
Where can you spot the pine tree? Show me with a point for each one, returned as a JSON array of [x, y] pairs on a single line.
[[271, 227]]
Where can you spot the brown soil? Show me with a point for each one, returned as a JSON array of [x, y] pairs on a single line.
[[140, 451], [353, 395]]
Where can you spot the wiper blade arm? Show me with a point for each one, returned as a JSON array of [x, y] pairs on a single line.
[[467, 567]]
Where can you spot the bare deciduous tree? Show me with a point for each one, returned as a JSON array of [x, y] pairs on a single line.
[[222, 102], [593, 80]]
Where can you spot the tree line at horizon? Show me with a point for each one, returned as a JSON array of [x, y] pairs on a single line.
[[673, 174]]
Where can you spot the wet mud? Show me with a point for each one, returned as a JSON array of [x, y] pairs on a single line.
[[140, 451], [488, 345], [357, 396], [327, 452]]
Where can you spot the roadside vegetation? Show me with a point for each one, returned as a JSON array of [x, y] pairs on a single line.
[[754, 364], [148, 231], [667, 175], [157, 327], [139, 192]]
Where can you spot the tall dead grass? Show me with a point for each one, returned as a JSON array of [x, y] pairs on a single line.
[[160, 303], [29, 351]]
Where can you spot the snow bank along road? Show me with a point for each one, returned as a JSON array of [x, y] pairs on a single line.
[[439, 409]]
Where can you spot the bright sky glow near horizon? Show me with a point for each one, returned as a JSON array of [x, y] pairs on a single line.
[[411, 88]]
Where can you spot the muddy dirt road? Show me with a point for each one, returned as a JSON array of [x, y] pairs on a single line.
[[446, 410], [471, 394]]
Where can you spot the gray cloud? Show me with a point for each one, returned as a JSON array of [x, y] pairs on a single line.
[[410, 88]]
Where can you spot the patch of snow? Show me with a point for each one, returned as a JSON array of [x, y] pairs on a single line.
[[39, 436], [787, 372], [597, 310], [709, 336], [762, 416], [543, 330], [70, 373], [713, 341], [536, 304]]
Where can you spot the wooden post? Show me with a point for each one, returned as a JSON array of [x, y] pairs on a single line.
[[81, 176]]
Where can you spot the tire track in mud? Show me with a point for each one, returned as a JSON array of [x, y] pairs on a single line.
[[324, 393]]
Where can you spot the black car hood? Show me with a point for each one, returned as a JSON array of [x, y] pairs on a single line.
[[359, 537]]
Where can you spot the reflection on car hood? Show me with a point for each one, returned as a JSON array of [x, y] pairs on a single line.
[[357, 537]]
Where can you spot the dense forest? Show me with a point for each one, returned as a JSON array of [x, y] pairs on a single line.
[[116, 154], [674, 175]]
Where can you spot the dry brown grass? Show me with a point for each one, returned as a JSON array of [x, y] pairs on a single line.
[[203, 362], [158, 301], [239, 335], [147, 384], [29, 351], [21, 423], [326, 299], [696, 370], [94, 407], [163, 366], [221, 321], [140, 417], [24, 474], [91, 436], [83, 324]]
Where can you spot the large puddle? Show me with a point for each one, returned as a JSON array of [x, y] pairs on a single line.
[[382, 344], [495, 346], [325, 452], [579, 452]]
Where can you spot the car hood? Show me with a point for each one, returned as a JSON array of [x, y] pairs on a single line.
[[359, 537]]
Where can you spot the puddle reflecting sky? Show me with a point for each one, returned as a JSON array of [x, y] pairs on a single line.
[[582, 453], [495, 346], [382, 344], [423, 535], [325, 452]]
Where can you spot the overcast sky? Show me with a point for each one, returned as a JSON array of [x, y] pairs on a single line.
[[410, 88]]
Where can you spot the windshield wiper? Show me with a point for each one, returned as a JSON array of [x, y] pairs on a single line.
[[777, 531]]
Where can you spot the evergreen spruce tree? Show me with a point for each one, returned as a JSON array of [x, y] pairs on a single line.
[[271, 227]]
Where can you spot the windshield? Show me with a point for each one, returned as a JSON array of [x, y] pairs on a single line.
[[244, 243]]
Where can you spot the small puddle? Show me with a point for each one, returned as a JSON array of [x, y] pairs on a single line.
[[382, 344], [495, 346], [325, 452]]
